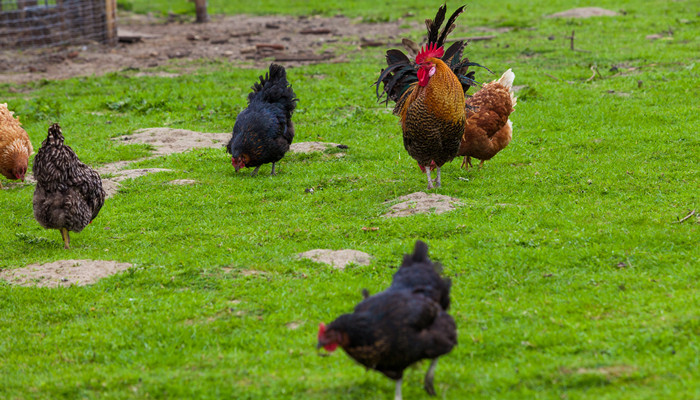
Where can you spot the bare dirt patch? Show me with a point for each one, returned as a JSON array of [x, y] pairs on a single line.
[[164, 141], [169, 141], [183, 182], [610, 372], [312, 147], [245, 41], [421, 203], [111, 185], [338, 259], [63, 273], [584, 12]]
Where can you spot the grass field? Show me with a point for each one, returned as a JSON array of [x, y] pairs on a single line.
[[571, 277]]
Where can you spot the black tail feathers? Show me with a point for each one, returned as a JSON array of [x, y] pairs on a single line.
[[420, 255], [274, 88]]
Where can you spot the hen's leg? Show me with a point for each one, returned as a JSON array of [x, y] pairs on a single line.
[[255, 171], [66, 238], [481, 164], [428, 383], [437, 180], [397, 394], [466, 162], [430, 180], [273, 169]]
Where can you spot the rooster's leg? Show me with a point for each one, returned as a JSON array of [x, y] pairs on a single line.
[[428, 383], [430, 180], [397, 394], [66, 238], [273, 169], [481, 164], [255, 171], [438, 182]]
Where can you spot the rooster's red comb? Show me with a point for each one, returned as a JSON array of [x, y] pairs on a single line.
[[431, 50]]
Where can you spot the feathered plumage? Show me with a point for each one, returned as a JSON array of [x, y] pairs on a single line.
[[15, 147], [68, 194], [488, 129], [264, 131], [429, 94], [404, 324]]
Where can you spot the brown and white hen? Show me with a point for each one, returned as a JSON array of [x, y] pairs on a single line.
[[488, 129]]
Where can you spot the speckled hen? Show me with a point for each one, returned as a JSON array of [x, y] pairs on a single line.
[[264, 131], [68, 194]]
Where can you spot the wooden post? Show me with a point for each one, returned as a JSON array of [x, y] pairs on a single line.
[[200, 7], [111, 22]]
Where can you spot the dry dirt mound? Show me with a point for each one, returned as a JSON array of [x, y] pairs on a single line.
[[111, 185], [584, 12], [63, 273], [164, 141], [243, 40], [338, 259], [312, 147], [421, 203], [183, 182], [168, 141]]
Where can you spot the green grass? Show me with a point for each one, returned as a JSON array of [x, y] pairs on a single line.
[[544, 309]]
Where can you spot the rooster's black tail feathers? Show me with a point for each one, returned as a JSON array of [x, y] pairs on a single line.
[[274, 88], [401, 72]]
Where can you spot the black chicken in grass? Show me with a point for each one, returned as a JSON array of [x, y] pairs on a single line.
[[68, 194], [263, 131], [404, 324]]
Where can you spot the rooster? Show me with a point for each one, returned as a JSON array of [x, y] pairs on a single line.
[[15, 147], [429, 95], [68, 194], [404, 324], [263, 131], [488, 129]]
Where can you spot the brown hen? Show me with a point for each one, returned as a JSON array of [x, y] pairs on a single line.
[[15, 147], [488, 129]]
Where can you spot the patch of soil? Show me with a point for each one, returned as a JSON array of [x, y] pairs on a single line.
[[421, 203], [294, 325], [168, 140], [63, 273], [609, 372], [164, 141], [183, 182], [243, 40], [111, 185], [584, 12], [136, 173], [311, 147], [338, 259]]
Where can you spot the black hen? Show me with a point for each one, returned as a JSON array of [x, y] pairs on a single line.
[[406, 323], [68, 194], [263, 131]]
